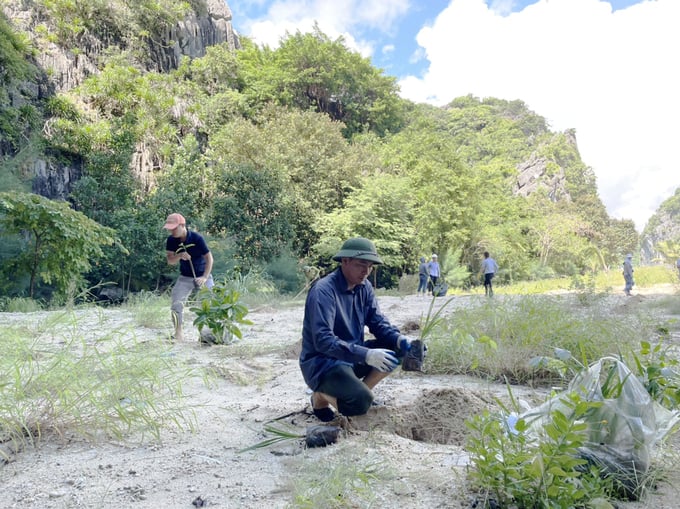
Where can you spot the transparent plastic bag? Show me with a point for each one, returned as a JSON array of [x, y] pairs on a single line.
[[623, 431]]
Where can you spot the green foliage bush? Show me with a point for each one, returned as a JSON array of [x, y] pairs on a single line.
[[218, 308], [60, 243], [19, 305], [511, 470]]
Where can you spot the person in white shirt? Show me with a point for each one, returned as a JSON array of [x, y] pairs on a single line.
[[433, 269], [489, 269]]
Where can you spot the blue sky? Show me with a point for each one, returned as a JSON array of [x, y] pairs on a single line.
[[607, 69]]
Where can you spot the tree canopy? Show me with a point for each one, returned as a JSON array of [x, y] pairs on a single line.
[[58, 244]]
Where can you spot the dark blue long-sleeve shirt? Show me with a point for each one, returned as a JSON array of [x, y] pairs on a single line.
[[333, 326]]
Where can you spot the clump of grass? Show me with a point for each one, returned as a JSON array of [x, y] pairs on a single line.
[[352, 479], [114, 389], [495, 339], [280, 435], [19, 305], [149, 310]]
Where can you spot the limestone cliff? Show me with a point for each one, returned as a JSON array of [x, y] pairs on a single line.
[[542, 172], [65, 60], [209, 23], [660, 240]]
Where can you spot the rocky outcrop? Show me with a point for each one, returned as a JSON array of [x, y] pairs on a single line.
[[207, 25], [64, 68], [194, 34], [55, 180], [538, 173], [550, 173], [662, 228]]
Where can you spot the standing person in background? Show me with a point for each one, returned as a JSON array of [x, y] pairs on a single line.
[[423, 274], [489, 269], [677, 266], [628, 274], [190, 250], [434, 272]]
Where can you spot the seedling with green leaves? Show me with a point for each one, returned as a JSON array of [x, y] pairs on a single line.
[[218, 308]]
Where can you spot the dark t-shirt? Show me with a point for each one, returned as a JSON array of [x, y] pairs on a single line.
[[195, 245]]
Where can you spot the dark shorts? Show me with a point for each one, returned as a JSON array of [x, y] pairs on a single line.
[[488, 277], [345, 384]]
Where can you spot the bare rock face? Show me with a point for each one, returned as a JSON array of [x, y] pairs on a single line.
[[195, 33], [538, 173], [207, 25], [54, 180]]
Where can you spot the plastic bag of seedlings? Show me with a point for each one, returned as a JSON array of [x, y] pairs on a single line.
[[622, 431], [413, 360], [321, 436]]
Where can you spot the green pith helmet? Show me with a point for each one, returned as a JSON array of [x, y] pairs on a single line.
[[360, 248]]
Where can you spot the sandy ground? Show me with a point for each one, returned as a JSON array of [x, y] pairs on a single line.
[[411, 443]]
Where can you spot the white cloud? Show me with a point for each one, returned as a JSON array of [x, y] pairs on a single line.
[[610, 75], [388, 48], [337, 18]]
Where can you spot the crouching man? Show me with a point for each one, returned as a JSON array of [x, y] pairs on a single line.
[[337, 363]]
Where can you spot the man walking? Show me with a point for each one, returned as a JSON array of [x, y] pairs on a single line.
[[628, 274], [423, 275]]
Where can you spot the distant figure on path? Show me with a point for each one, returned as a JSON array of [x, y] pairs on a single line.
[[677, 266], [489, 269], [423, 274], [628, 273], [434, 272]]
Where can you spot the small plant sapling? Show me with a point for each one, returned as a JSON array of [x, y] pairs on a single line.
[[218, 309]]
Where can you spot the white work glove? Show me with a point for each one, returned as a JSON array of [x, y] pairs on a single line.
[[381, 359]]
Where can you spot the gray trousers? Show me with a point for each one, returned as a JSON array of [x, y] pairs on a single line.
[[180, 293]]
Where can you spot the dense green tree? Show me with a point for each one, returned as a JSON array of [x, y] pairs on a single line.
[[250, 207], [312, 71], [60, 244], [443, 191], [307, 152], [381, 211]]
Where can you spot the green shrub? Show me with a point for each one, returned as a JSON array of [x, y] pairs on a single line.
[[511, 470], [19, 305], [219, 310]]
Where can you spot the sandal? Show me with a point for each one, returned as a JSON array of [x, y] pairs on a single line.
[[323, 414]]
